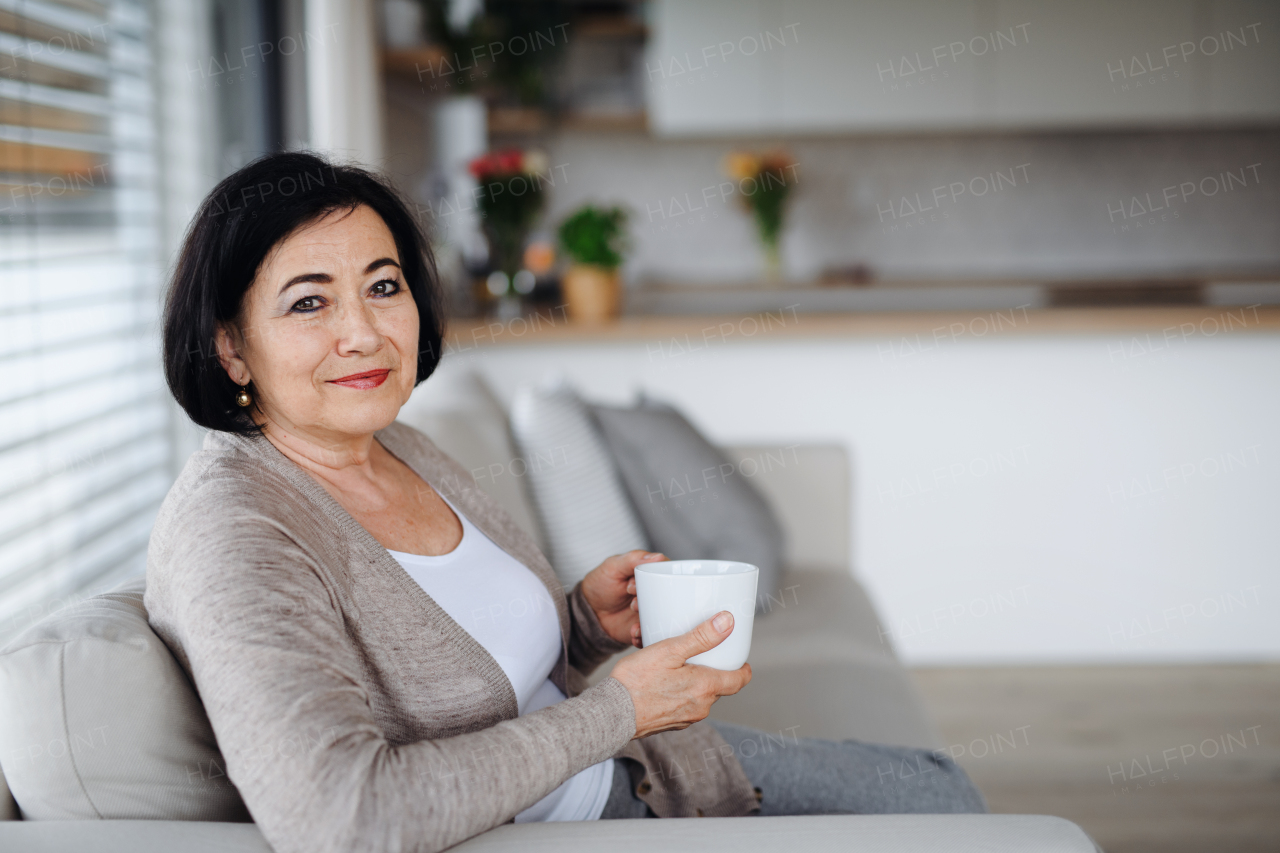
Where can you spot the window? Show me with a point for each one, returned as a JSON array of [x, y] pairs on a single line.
[[84, 416]]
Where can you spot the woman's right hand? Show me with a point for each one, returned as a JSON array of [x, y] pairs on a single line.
[[669, 693]]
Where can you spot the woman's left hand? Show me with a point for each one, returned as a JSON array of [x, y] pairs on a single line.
[[610, 589]]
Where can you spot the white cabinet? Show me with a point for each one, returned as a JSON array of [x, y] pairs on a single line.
[[879, 65], [747, 67], [757, 66], [698, 83], [1093, 63], [1243, 80]]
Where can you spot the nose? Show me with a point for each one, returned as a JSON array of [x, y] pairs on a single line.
[[357, 329]]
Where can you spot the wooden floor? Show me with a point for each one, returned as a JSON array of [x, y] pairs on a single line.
[[1148, 759]]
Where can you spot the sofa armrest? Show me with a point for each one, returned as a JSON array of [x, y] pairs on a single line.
[[131, 836], [813, 834], [810, 833]]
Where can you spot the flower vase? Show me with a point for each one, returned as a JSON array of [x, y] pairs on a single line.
[[772, 264], [508, 307]]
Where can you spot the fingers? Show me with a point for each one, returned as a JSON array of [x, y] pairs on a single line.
[[729, 683], [611, 586], [704, 637], [626, 563]]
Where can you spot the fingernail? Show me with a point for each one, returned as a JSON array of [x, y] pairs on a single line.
[[723, 621], [655, 555]]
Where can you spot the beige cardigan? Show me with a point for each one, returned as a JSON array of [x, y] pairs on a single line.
[[352, 712]]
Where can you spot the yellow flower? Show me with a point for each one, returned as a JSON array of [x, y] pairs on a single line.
[[741, 165], [535, 162]]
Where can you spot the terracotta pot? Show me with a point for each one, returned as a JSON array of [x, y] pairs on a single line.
[[593, 294]]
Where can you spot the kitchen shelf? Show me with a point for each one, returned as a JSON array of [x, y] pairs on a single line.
[[977, 295], [611, 27], [528, 120], [517, 120], [628, 122], [412, 62]]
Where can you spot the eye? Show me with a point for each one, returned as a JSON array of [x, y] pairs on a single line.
[[307, 304], [386, 287]]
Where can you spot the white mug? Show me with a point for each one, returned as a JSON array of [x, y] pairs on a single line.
[[676, 595]]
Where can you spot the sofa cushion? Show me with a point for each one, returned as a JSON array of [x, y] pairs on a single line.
[[809, 487], [824, 606], [820, 662], [97, 720], [693, 502], [822, 641], [459, 412], [858, 697], [584, 508]]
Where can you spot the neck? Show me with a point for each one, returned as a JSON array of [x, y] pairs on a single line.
[[337, 462]]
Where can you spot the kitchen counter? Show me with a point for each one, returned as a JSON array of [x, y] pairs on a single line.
[[1052, 451], [693, 331]]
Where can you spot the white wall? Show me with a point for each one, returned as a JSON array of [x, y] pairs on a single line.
[[1067, 207], [1041, 498]]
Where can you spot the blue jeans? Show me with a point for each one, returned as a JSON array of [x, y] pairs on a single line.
[[815, 776]]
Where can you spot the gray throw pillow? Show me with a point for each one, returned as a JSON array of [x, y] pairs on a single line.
[[98, 721], [693, 502]]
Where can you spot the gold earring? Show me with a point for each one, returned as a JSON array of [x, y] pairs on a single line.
[[243, 399]]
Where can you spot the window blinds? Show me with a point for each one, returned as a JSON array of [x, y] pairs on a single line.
[[84, 442]]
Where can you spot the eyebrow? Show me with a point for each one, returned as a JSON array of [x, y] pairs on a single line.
[[325, 278], [379, 263]]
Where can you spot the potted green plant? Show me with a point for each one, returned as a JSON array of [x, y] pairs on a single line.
[[594, 238], [495, 51]]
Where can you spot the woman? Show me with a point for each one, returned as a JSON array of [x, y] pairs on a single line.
[[347, 617]]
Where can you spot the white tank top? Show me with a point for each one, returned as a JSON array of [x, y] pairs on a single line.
[[508, 610]]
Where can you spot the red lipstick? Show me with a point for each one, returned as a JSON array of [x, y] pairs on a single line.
[[368, 379]]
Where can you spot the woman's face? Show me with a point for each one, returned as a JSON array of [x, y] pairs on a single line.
[[328, 331]]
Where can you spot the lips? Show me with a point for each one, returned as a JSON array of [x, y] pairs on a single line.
[[368, 379]]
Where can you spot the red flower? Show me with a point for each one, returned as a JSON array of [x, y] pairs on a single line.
[[509, 162], [481, 166]]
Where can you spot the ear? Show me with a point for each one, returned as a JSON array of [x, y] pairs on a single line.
[[228, 342]]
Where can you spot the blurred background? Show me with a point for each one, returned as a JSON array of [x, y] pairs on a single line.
[[1020, 258]]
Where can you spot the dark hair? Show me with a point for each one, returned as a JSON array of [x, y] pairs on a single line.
[[239, 222]]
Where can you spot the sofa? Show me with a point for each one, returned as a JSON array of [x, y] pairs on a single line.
[[822, 668]]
